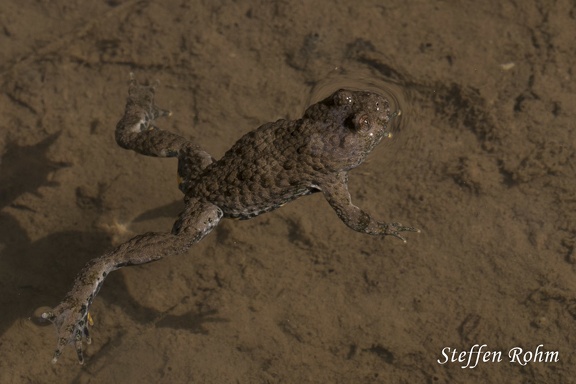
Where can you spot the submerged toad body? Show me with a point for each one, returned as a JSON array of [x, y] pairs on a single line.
[[268, 167]]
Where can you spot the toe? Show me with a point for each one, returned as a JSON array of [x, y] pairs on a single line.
[[79, 353]]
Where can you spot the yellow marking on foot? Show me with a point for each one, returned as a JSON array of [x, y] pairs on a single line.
[[90, 320]]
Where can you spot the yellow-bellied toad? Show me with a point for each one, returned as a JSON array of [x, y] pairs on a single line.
[[266, 168]]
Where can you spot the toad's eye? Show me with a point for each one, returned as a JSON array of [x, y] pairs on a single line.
[[362, 122], [358, 123], [343, 98]]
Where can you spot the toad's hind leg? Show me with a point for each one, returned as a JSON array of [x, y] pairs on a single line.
[[71, 316], [136, 131]]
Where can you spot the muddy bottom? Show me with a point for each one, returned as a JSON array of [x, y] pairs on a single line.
[[483, 164]]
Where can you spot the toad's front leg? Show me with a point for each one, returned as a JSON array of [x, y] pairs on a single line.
[[71, 316], [336, 193]]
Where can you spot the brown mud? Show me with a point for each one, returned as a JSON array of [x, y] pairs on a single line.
[[484, 166]]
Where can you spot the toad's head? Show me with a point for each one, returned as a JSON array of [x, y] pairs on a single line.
[[349, 125]]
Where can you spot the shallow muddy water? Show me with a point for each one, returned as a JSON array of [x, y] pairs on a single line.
[[483, 164]]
